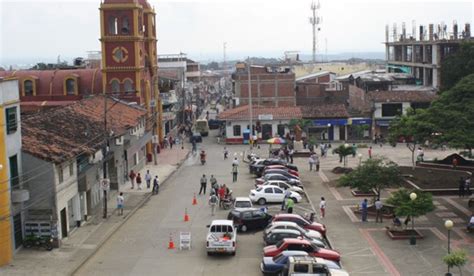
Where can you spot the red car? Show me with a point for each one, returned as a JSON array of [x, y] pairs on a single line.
[[306, 224], [301, 245], [281, 167]]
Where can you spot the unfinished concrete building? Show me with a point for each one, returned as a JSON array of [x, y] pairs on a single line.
[[422, 52]]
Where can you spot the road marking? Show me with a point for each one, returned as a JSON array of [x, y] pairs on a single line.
[[335, 193], [323, 176], [458, 206], [350, 214], [384, 260]]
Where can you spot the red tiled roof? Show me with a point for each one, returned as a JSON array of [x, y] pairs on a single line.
[[402, 96], [58, 134], [243, 113], [325, 111]]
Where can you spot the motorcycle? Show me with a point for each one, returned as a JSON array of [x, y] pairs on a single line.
[[227, 202], [38, 241]]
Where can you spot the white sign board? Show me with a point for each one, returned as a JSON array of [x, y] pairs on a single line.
[[185, 240], [265, 117], [105, 184]]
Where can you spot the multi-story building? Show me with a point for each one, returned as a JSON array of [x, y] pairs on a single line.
[[12, 195], [68, 145], [422, 52], [270, 85]]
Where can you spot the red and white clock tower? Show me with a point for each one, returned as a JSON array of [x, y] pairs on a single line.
[[129, 58]]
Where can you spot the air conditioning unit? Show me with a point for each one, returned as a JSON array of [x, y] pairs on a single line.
[[119, 141]]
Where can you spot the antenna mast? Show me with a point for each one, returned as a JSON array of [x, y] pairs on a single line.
[[315, 21]]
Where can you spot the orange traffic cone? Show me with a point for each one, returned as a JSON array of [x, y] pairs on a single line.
[[195, 200], [171, 243], [186, 216]]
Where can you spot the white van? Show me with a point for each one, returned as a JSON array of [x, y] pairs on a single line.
[[221, 237]]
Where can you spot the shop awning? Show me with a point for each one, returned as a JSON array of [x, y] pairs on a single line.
[[332, 122]]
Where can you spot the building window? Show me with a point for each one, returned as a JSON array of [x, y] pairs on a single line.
[[237, 131], [60, 174], [115, 85], [71, 86], [128, 85], [113, 25], [28, 88], [125, 26], [391, 110], [14, 180], [71, 169], [281, 130], [12, 121]]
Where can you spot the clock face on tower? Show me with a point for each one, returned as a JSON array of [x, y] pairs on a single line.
[[120, 54]]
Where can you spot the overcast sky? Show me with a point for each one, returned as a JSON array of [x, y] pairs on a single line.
[[43, 30]]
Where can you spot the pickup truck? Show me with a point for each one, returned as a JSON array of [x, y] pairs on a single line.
[[221, 237], [305, 265]]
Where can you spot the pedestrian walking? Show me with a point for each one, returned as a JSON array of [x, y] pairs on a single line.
[[139, 181], [171, 141], [420, 155], [316, 162], [287, 195], [290, 154], [156, 185], [226, 153], [120, 201], [235, 162], [203, 182], [213, 201], [214, 184], [370, 152], [378, 210], [148, 179], [321, 148], [364, 210], [461, 187], [234, 172], [289, 205], [354, 150], [322, 207], [467, 186], [311, 162], [132, 176]]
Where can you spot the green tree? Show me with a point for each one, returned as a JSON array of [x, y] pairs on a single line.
[[373, 174], [456, 258], [405, 206], [457, 65], [415, 127], [452, 115], [343, 151]]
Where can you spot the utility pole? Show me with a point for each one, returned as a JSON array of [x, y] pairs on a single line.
[[224, 66], [155, 107], [250, 100], [105, 182], [315, 20]]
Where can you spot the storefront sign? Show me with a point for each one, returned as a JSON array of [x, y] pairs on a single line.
[[265, 117], [359, 121], [330, 122]]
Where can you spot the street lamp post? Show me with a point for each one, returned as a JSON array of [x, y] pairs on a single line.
[[449, 225], [413, 197], [329, 126]]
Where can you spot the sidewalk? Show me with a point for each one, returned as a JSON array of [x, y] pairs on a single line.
[[85, 240]]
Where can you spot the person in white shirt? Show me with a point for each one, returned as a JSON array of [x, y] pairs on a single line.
[[148, 179], [322, 207], [120, 200], [378, 210], [470, 225]]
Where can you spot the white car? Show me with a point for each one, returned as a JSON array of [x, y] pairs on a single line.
[[283, 185], [242, 202], [221, 237], [271, 193], [293, 226]]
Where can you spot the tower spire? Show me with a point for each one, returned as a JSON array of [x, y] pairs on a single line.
[[315, 21]]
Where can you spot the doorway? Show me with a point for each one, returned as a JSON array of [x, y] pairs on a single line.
[[63, 223], [267, 131], [342, 133]]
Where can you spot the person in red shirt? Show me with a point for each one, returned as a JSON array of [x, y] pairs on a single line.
[[222, 192], [132, 176]]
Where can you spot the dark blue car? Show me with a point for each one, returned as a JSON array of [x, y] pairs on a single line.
[[274, 265]]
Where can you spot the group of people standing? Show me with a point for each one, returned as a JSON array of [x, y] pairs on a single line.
[[464, 187], [218, 193], [313, 161], [137, 178], [284, 153]]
